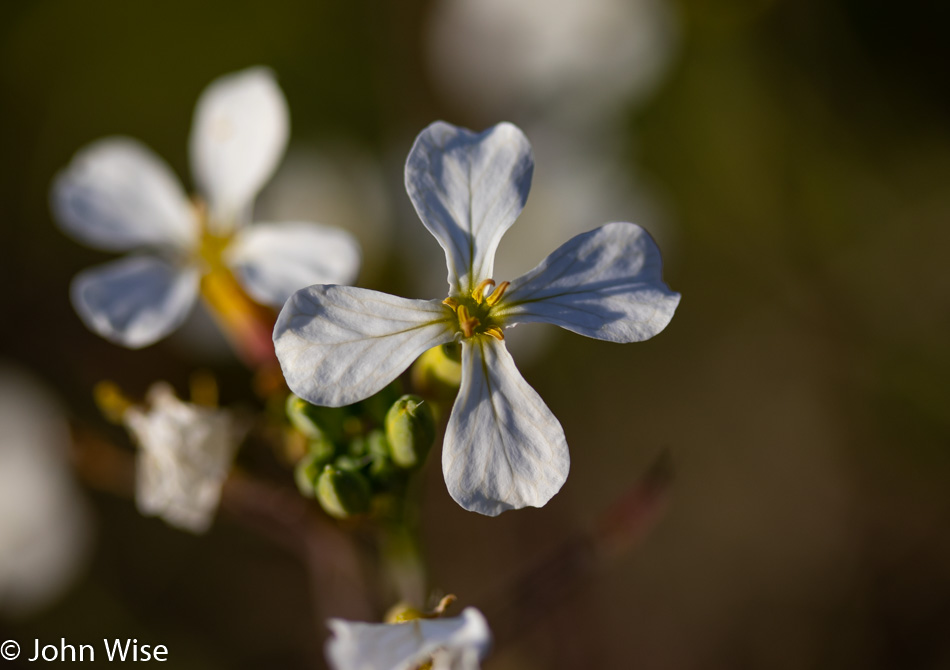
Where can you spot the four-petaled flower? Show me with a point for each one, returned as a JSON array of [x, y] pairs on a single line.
[[185, 453], [456, 643], [117, 195], [503, 447]]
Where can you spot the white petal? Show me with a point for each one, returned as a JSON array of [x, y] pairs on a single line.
[[117, 194], [606, 284], [134, 301], [273, 260], [404, 646], [338, 344], [468, 188], [503, 449], [460, 659], [186, 452], [238, 136]]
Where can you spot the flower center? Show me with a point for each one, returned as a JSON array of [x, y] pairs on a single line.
[[211, 246], [247, 324], [211, 250], [475, 311]]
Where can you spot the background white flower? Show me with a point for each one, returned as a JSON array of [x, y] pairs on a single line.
[[456, 643], [185, 454], [117, 195], [503, 447], [44, 520]]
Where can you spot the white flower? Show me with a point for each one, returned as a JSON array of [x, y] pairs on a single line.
[[503, 447], [117, 195], [185, 453], [44, 521], [456, 643]]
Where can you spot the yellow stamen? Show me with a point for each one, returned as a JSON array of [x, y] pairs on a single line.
[[495, 332], [497, 293], [466, 321], [443, 605], [451, 303], [479, 293]]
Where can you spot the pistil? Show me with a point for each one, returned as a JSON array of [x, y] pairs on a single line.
[[467, 321]]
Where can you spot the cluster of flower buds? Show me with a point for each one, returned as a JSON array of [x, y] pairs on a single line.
[[359, 455]]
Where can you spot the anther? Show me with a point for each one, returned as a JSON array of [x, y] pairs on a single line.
[[443, 605], [479, 293], [451, 303], [497, 293], [495, 332]]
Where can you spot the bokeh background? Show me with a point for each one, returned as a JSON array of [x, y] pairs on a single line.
[[792, 158]]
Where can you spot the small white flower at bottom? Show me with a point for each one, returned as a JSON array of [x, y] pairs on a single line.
[[185, 454], [455, 643]]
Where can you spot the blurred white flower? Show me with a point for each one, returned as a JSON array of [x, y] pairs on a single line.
[[117, 195], [503, 447], [44, 522], [185, 453], [567, 58], [456, 643]]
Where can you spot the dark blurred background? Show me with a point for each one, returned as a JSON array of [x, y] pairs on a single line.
[[792, 157]]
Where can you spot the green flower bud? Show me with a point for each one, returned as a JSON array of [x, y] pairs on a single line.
[[350, 463], [438, 371], [306, 472], [320, 451], [342, 493], [410, 430], [452, 352], [382, 471], [357, 446], [314, 421], [376, 444]]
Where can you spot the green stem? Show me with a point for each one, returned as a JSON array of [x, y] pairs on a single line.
[[402, 564]]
